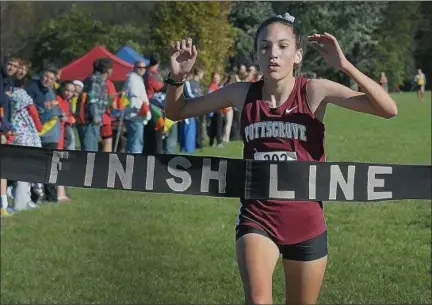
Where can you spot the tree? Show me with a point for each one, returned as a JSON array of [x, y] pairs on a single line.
[[394, 52], [74, 33], [20, 24], [352, 23], [246, 17], [423, 43], [205, 22]]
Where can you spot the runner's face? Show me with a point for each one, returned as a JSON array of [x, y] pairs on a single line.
[[277, 52]]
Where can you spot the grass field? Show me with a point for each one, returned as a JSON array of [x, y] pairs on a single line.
[[114, 247]]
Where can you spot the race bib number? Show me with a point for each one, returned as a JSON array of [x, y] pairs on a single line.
[[276, 156]]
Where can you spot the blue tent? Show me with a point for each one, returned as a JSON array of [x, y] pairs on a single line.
[[130, 55]]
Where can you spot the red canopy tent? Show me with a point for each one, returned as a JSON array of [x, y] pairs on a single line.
[[83, 66]]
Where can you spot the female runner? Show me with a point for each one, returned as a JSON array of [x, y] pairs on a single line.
[[282, 119]]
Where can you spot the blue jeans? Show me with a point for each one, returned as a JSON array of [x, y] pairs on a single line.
[[170, 141], [187, 135], [135, 136], [89, 136]]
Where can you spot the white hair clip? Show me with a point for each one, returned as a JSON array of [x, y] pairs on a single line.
[[287, 17]]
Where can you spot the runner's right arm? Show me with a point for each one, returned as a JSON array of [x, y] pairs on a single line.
[[179, 108], [182, 59]]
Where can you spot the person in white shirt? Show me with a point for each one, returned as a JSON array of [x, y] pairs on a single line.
[[134, 121]]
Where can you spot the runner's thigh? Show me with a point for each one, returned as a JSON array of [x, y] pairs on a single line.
[[257, 256]]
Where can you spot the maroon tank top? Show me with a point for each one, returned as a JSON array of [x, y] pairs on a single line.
[[286, 133]]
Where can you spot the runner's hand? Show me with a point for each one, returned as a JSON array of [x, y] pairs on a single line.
[[183, 56], [329, 48]]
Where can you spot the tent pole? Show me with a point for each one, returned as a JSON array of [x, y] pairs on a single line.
[[119, 130]]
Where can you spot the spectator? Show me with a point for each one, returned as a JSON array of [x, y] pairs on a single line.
[[134, 86], [79, 86], [216, 120], [252, 74], [22, 79], [154, 83], [152, 78], [195, 84], [64, 98], [228, 112], [42, 93], [235, 127], [8, 69], [106, 131], [57, 82], [383, 81], [187, 128], [93, 104], [420, 83], [243, 73], [25, 117], [67, 138]]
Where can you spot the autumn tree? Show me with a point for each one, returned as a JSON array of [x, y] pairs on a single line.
[[205, 22]]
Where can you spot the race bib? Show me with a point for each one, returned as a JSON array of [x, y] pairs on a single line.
[[277, 156]]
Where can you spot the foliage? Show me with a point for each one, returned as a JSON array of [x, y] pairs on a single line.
[[423, 43], [396, 36], [19, 21], [205, 22], [73, 34], [246, 18], [352, 23], [376, 36]]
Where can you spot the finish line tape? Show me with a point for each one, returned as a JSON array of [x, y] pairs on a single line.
[[217, 177]]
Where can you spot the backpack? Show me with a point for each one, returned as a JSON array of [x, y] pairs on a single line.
[[80, 110]]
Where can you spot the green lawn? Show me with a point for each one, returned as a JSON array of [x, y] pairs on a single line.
[[114, 247]]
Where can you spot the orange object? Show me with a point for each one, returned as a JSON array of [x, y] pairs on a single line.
[[145, 108], [80, 117], [159, 123], [226, 110]]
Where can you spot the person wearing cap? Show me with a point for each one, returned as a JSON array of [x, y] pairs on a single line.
[[79, 86]]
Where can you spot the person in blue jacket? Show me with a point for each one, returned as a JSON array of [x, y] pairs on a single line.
[[43, 95], [8, 69]]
